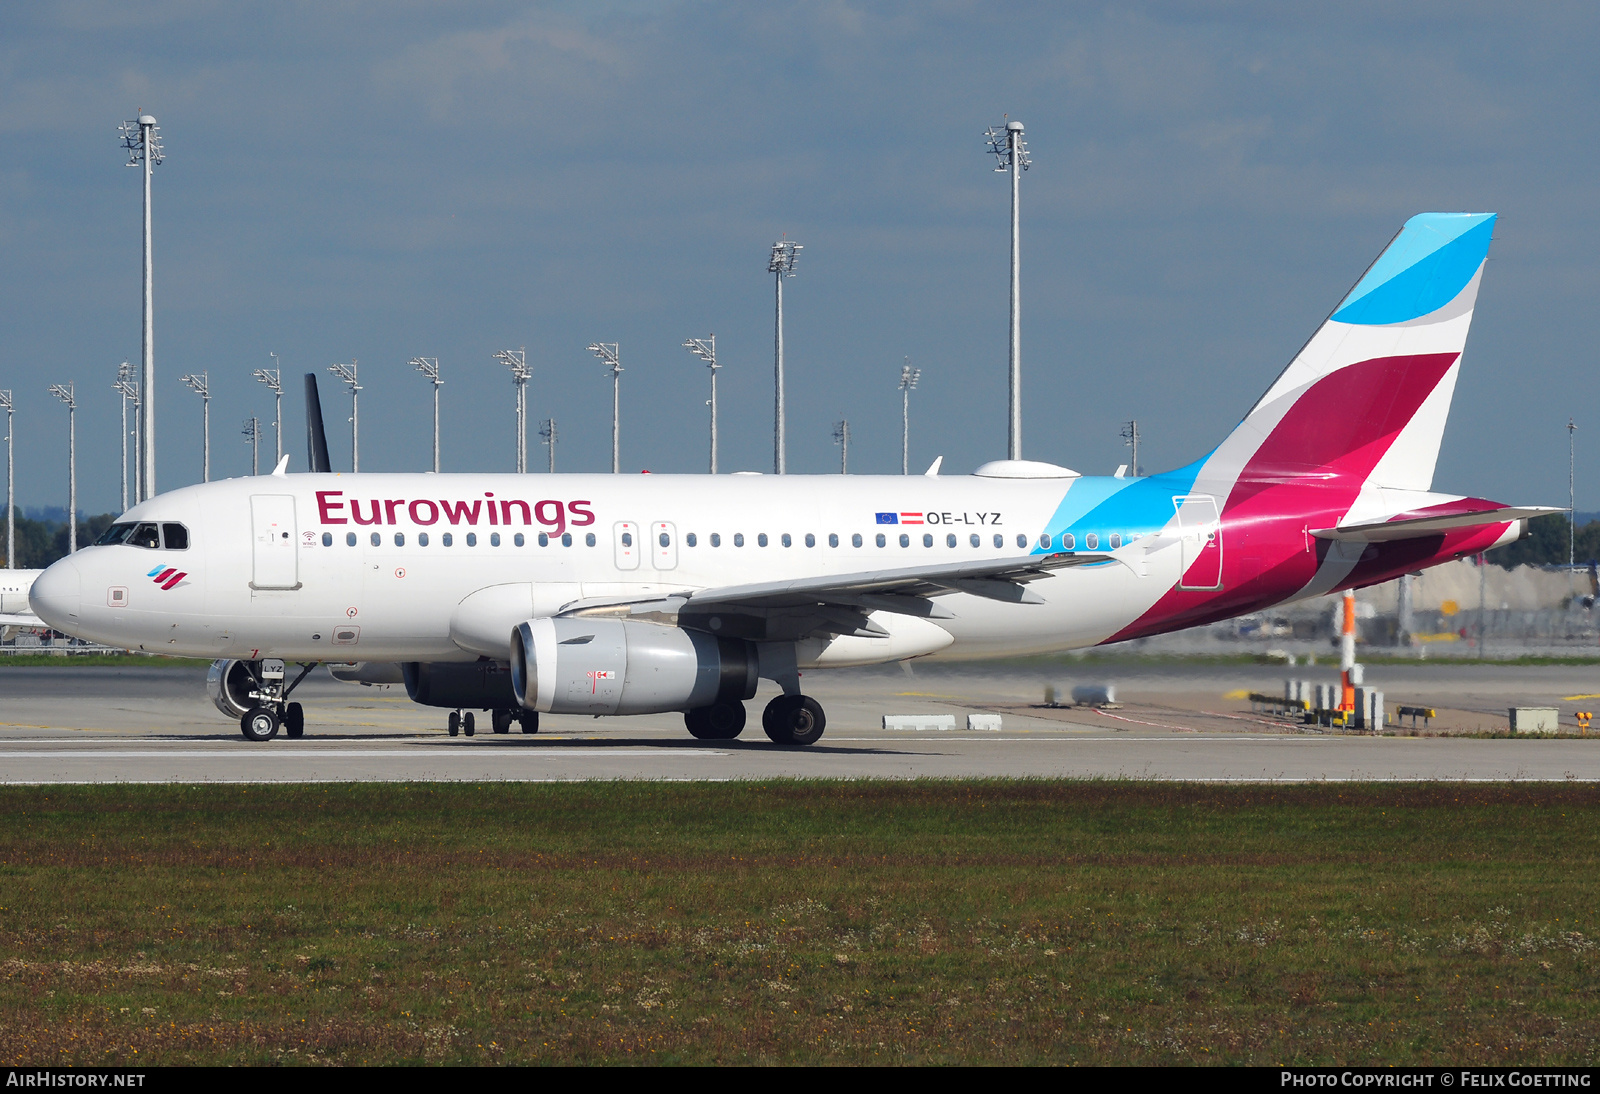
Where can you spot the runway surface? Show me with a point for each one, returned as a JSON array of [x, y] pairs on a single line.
[[146, 724]]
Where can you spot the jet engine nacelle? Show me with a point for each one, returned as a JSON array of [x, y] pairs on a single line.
[[616, 666], [229, 684]]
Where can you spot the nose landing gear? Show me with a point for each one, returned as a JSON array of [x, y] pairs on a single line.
[[273, 709]]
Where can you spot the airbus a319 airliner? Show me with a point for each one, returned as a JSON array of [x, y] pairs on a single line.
[[598, 594]]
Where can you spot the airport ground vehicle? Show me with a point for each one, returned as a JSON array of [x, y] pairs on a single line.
[[603, 594]]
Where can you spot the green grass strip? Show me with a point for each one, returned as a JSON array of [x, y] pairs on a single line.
[[800, 922]]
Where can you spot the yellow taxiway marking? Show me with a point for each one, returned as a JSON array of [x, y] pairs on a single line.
[[1575, 698], [1240, 693]]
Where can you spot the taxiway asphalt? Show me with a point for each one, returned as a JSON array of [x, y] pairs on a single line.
[[71, 724]]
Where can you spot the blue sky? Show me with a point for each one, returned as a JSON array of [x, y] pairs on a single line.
[[381, 181]]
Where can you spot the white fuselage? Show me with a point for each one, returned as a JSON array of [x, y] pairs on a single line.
[[335, 568]]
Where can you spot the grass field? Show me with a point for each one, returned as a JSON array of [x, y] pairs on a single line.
[[858, 922]]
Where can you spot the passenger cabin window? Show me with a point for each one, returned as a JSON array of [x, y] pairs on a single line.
[[448, 540], [1044, 541], [855, 540], [175, 537], [927, 540], [999, 540], [1116, 540], [376, 539], [494, 539], [762, 539], [566, 539], [716, 539], [785, 540], [664, 540], [738, 539], [1022, 541], [976, 542], [327, 539], [588, 539], [544, 539], [1069, 541], [811, 540], [691, 539], [881, 541], [833, 540], [399, 539], [905, 540], [349, 539], [518, 540], [422, 539], [1091, 541], [472, 539], [950, 540]]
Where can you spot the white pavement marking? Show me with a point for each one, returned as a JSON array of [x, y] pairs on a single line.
[[361, 753]]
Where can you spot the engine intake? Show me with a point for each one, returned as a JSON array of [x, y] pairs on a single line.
[[229, 684], [617, 666]]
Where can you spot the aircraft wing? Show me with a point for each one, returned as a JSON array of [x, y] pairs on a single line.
[[25, 619], [1421, 523], [840, 603]]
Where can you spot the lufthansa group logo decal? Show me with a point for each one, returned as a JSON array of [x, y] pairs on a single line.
[[168, 577]]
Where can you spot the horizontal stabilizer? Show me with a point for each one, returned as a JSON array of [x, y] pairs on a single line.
[[1416, 527]]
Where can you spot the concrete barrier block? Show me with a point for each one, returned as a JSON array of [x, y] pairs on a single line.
[[1094, 695], [1535, 719], [920, 722], [987, 723]]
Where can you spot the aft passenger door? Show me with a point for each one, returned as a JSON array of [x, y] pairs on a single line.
[[274, 547], [1201, 535]]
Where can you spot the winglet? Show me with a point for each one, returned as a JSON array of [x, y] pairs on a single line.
[[283, 466], [933, 469]]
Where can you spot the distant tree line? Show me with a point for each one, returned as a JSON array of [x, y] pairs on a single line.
[[41, 542], [1546, 544]]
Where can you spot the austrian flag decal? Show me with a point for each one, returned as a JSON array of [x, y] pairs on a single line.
[[167, 577]]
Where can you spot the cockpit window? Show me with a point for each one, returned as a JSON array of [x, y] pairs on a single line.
[[146, 534]]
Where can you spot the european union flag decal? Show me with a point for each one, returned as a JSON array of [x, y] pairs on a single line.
[[888, 518]]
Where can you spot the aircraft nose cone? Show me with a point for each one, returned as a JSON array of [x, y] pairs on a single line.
[[56, 593]]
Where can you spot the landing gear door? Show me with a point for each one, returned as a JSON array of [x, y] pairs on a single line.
[[1201, 536], [664, 545], [625, 541], [274, 542]]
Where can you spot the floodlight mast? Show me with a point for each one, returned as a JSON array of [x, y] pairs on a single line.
[[252, 433], [610, 353], [1006, 142], [548, 432], [706, 349], [517, 361], [128, 389], [273, 378], [347, 374], [65, 394], [1130, 437], [841, 437], [429, 367], [142, 138], [11, 482], [908, 383], [202, 387], [784, 254]]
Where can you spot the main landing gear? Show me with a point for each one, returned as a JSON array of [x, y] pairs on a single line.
[[273, 709], [501, 721], [528, 720], [788, 720]]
